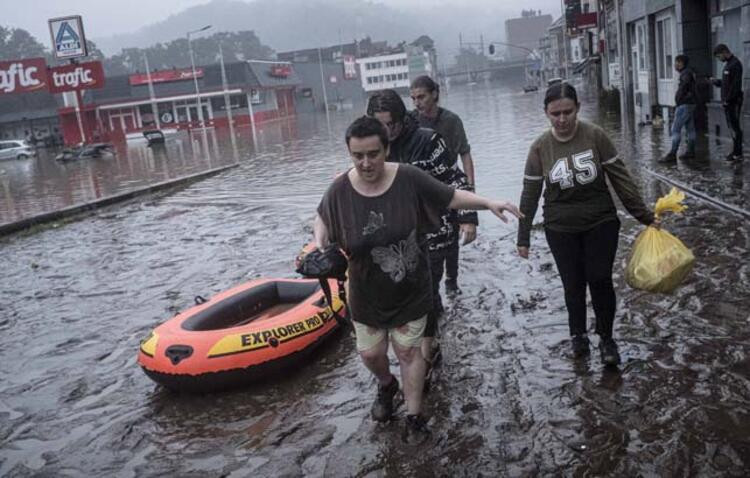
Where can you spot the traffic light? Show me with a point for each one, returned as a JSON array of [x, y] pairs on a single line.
[[492, 49]]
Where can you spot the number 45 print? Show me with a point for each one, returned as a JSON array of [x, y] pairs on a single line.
[[584, 170]]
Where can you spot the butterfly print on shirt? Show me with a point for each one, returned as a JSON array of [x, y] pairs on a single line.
[[398, 260]]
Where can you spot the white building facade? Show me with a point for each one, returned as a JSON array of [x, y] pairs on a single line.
[[384, 71]]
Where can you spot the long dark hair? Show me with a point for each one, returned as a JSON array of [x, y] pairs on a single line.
[[387, 101], [559, 91]]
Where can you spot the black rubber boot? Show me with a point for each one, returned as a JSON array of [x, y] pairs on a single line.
[[382, 407], [609, 354], [580, 345]]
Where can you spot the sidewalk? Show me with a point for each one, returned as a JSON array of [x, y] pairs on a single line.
[[707, 173]]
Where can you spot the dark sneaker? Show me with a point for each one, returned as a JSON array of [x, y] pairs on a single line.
[[688, 155], [609, 354], [382, 407], [580, 344], [669, 158], [451, 287], [415, 430]]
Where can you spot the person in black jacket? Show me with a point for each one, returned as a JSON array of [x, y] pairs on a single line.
[[685, 99], [731, 96], [427, 150], [425, 93]]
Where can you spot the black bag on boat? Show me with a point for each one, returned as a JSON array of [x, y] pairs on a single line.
[[328, 263]]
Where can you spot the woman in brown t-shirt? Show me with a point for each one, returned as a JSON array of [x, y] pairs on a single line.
[[379, 214]]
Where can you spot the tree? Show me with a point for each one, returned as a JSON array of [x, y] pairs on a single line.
[[16, 43], [237, 46]]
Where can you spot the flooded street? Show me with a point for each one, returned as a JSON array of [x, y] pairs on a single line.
[[508, 400]]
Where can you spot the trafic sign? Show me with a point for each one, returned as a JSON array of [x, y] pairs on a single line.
[[23, 76], [80, 76]]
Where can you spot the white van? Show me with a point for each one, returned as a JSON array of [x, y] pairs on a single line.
[[16, 149]]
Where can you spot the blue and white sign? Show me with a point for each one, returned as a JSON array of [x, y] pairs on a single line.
[[68, 39]]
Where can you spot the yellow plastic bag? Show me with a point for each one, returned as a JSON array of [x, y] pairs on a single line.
[[659, 262]]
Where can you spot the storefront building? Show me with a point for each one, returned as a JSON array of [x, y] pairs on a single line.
[[30, 116], [129, 104]]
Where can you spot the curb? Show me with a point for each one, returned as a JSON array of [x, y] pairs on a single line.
[[12, 227]]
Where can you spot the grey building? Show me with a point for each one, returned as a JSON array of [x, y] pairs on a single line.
[[344, 92], [559, 54], [652, 33], [525, 32]]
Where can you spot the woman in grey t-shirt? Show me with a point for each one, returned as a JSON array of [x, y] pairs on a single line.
[[379, 213]]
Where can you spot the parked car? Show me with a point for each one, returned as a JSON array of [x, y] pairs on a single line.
[[16, 149]]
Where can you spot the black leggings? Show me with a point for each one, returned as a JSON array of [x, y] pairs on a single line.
[[586, 258], [437, 259]]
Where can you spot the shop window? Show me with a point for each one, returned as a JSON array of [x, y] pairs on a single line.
[[641, 47], [235, 101], [664, 53]]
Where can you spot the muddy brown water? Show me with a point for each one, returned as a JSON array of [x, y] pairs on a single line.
[[507, 400]]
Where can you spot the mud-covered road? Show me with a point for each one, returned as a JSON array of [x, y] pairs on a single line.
[[508, 400]]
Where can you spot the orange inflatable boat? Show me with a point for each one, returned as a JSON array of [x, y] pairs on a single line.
[[243, 334]]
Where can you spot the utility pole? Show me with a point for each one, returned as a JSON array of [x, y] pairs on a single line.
[[623, 68], [198, 101], [323, 84], [151, 94], [228, 103], [466, 57], [565, 38]]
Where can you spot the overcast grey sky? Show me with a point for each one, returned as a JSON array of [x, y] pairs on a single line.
[[103, 18]]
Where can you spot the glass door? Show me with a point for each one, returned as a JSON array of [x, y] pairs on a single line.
[[665, 53]]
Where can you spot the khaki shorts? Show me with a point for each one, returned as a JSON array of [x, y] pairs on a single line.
[[408, 335]]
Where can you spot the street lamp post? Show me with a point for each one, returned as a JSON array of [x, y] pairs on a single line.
[[195, 80]]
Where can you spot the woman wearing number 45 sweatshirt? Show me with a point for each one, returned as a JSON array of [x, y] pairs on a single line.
[[569, 162]]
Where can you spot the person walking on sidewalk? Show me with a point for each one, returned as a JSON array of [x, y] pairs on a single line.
[[378, 213], [731, 97], [425, 93], [570, 162], [685, 99]]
